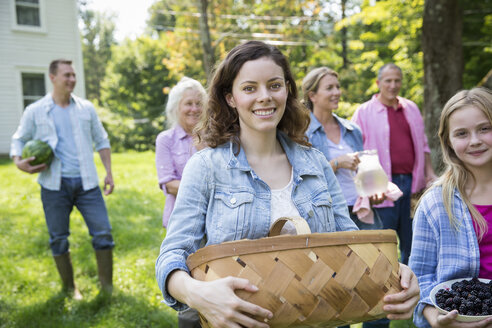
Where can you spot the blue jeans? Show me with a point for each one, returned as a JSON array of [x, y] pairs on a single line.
[[58, 205], [398, 217]]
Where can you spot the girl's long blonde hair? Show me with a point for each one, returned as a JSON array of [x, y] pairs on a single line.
[[456, 174]]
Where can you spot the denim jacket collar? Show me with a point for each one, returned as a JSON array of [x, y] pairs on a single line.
[[315, 125], [298, 160]]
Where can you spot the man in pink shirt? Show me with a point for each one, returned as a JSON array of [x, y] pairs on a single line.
[[394, 127]]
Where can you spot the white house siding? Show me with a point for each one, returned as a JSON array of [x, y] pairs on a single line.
[[32, 51]]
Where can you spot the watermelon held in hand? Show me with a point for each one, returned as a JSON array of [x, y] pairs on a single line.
[[39, 149]]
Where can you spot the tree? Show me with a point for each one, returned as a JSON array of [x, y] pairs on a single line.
[[161, 17], [477, 41], [214, 27], [132, 94], [97, 36], [443, 63], [208, 49], [382, 32]]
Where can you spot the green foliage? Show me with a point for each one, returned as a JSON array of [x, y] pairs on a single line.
[[97, 39], [354, 37], [29, 284], [181, 33], [477, 40], [346, 110], [160, 17], [311, 34], [132, 97], [387, 31]]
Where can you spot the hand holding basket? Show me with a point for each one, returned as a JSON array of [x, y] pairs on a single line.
[[308, 280]]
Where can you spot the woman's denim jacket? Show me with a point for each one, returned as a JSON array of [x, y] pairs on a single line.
[[350, 132], [221, 199]]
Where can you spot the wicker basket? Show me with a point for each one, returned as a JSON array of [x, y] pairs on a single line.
[[309, 280]]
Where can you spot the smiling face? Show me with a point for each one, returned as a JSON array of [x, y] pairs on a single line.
[[470, 136], [328, 94], [64, 80], [190, 108], [259, 94], [389, 86]]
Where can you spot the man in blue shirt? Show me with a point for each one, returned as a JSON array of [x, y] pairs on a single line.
[[70, 125]]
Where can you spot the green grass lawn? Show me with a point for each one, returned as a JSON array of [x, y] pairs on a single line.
[[29, 283]]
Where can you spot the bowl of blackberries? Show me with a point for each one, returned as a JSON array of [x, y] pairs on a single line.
[[472, 297]]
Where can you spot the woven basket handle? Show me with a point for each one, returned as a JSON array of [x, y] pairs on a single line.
[[300, 224]]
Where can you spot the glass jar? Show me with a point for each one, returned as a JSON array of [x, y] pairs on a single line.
[[370, 178]]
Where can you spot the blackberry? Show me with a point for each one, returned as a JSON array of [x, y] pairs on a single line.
[[469, 297]]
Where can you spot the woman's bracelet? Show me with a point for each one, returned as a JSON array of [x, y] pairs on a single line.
[[336, 165]]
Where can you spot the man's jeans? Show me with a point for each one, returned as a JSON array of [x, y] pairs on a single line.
[[58, 205], [398, 217]]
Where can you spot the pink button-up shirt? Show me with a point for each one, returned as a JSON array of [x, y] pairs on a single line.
[[372, 118], [173, 148]]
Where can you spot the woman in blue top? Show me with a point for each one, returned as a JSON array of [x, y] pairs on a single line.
[[254, 127], [452, 235], [337, 138]]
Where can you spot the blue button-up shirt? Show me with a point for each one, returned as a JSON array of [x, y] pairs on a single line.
[[36, 123], [350, 132], [221, 199], [440, 252], [352, 137]]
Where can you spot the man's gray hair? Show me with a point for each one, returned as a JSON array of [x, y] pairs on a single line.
[[388, 66]]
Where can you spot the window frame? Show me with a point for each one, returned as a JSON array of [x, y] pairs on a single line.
[[30, 70], [29, 28]]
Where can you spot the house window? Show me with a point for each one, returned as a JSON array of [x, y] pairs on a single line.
[[33, 87], [28, 12]]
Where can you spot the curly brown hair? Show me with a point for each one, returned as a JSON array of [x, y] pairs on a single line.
[[220, 122]]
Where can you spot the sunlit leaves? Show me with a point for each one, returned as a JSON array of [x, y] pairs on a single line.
[[132, 92]]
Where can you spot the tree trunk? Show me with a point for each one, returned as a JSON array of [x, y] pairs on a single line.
[[344, 37], [443, 64], [208, 50]]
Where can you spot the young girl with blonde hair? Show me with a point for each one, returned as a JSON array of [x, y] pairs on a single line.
[[451, 238]]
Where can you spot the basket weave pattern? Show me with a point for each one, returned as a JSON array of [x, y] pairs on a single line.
[[315, 280]]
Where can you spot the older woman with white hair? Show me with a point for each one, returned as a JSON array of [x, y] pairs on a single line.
[[175, 146]]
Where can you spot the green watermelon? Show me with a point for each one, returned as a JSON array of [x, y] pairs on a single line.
[[39, 149]]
